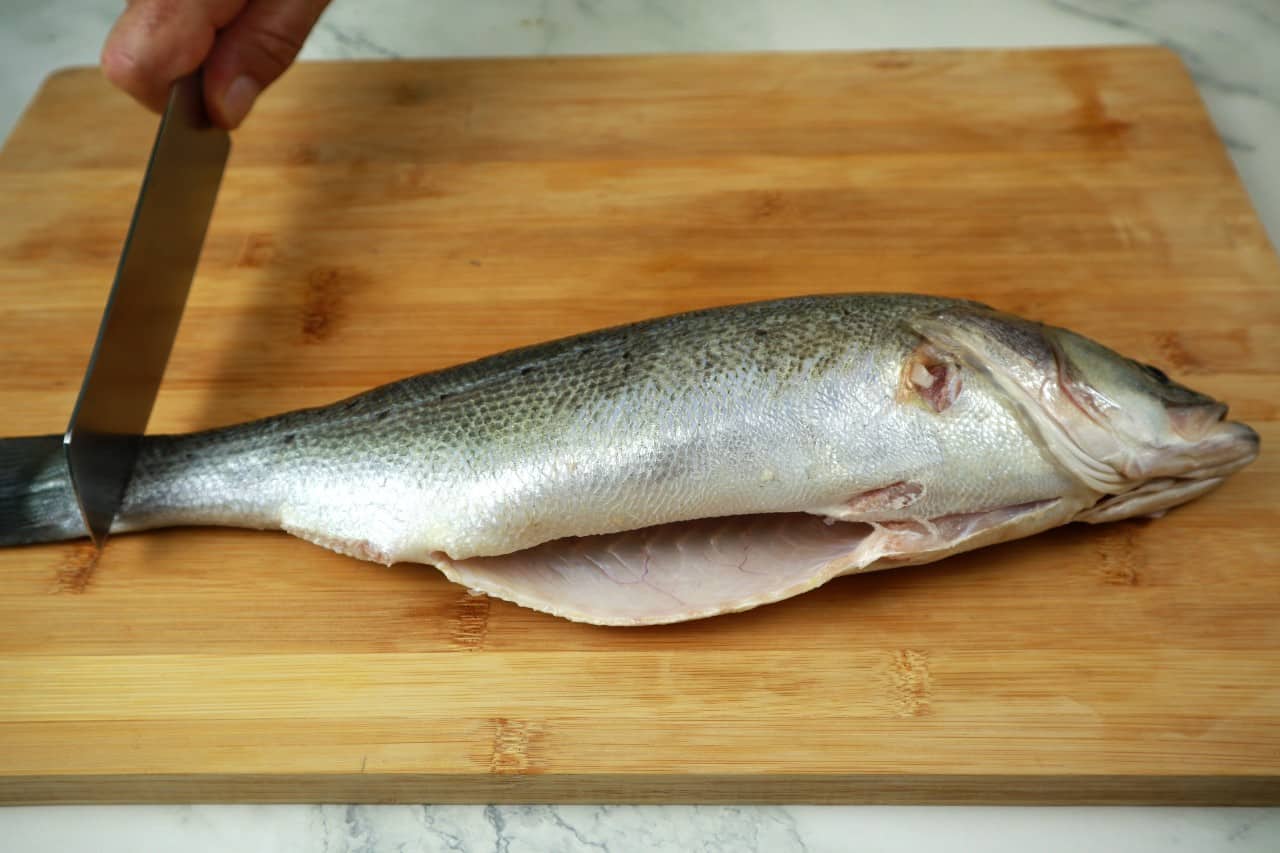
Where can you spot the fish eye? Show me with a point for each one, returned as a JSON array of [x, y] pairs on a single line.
[[1155, 373]]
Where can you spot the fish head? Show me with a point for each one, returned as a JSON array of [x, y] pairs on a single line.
[[1141, 441]]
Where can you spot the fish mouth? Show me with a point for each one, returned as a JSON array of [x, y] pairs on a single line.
[[1146, 477], [1222, 449]]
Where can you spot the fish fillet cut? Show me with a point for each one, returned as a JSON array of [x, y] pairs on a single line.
[[694, 569]]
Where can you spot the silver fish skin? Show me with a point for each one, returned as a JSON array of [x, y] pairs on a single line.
[[927, 425]]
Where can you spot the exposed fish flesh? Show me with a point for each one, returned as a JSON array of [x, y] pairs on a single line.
[[692, 465]]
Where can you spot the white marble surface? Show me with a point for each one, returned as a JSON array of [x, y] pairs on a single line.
[[1231, 46], [619, 829]]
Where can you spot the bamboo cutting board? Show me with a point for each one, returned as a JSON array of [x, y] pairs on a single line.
[[382, 219]]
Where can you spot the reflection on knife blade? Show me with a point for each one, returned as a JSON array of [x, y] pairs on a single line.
[[145, 305]]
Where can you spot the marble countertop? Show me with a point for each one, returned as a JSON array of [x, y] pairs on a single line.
[[1230, 48]]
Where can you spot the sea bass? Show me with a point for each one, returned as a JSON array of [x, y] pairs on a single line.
[[695, 464]]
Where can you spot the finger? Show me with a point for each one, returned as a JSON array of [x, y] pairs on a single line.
[[154, 42], [253, 51]]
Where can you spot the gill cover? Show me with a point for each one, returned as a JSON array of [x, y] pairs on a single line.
[[1025, 363]]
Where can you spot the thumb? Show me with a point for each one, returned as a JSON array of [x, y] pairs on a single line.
[[252, 51]]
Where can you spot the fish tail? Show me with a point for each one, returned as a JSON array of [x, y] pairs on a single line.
[[37, 502]]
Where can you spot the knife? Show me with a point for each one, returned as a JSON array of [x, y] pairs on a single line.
[[145, 305]]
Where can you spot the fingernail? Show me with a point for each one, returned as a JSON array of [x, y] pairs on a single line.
[[238, 100]]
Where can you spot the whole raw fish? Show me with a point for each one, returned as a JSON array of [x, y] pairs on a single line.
[[692, 465]]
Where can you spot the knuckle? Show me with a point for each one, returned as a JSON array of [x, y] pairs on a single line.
[[155, 15], [122, 68], [140, 45], [277, 47]]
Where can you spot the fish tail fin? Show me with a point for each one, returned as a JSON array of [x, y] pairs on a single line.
[[37, 502]]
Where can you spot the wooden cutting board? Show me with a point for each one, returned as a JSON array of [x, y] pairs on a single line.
[[382, 219]]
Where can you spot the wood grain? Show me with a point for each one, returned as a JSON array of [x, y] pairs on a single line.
[[382, 219]]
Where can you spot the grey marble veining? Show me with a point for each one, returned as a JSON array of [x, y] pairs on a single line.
[[618, 829], [1233, 51]]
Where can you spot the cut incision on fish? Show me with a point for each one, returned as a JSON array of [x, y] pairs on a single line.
[[688, 570], [691, 465]]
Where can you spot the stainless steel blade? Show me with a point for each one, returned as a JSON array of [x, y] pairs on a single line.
[[146, 303]]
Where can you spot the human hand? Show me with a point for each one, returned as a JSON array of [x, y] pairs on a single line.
[[244, 45]]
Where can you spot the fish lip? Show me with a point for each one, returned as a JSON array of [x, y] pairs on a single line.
[[1152, 499], [1226, 448], [1229, 447]]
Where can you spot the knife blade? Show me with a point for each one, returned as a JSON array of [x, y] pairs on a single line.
[[144, 308]]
